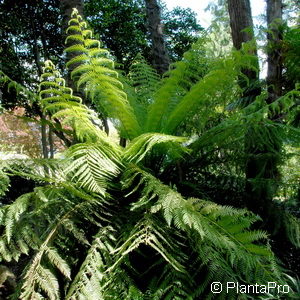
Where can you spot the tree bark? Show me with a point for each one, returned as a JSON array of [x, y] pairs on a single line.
[[160, 56], [51, 143], [122, 142], [240, 19], [105, 124], [241, 25], [44, 138], [261, 164], [274, 36], [37, 59], [271, 172]]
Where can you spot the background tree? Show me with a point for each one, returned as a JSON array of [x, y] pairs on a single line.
[[274, 76], [122, 27], [160, 56], [181, 30], [240, 22]]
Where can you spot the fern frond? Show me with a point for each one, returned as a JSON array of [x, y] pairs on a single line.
[[14, 211], [146, 232], [36, 274], [60, 103], [177, 83], [93, 165], [58, 261], [171, 284], [224, 228], [87, 283], [140, 146], [96, 76], [4, 181], [292, 228], [143, 79], [203, 95]]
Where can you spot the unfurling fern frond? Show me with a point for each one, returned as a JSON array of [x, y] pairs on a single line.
[[59, 102], [94, 73]]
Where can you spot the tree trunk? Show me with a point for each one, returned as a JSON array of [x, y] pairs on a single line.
[[274, 75], [122, 142], [105, 124], [51, 143], [240, 19], [160, 56], [274, 82], [37, 59], [44, 138], [241, 25], [261, 164]]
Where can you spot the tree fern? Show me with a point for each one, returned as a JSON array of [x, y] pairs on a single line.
[[103, 222], [95, 74]]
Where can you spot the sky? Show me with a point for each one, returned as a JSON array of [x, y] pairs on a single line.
[[198, 6]]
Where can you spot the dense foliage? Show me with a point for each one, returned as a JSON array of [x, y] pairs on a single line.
[[162, 217], [122, 27]]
